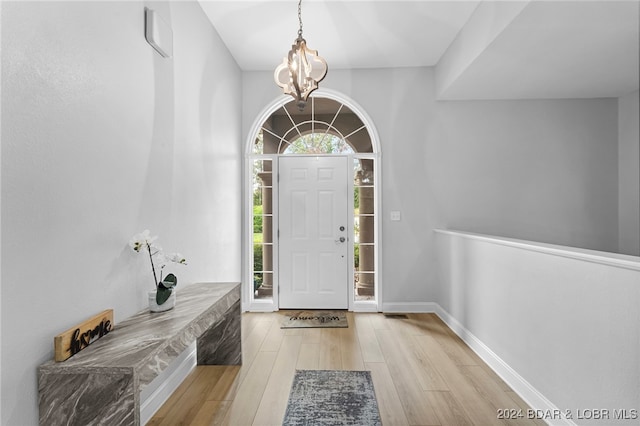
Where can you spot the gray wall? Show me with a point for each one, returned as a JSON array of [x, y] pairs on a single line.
[[542, 170], [559, 325], [102, 138], [629, 173]]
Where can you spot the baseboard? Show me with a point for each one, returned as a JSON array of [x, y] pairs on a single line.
[[537, 401], [160, 389], [409, 307]]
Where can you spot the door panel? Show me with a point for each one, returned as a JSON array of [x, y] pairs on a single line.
[[313, 243]]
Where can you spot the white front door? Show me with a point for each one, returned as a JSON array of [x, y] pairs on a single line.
[[313, 229]]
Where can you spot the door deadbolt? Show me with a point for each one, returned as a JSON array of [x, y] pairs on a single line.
[[342, 228]]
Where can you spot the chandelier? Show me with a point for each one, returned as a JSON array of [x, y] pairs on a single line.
[[302, 69]]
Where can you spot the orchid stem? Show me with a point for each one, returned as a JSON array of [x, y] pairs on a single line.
[[155, 279]]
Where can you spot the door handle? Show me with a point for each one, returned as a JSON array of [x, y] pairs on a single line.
[[341, 240]]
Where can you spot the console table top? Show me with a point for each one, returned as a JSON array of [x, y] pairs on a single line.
[[138, 339]]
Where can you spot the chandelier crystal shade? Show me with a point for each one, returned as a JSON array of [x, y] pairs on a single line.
[[302, 69]]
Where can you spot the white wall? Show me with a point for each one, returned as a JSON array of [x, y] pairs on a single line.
[[102, 138], [542, 170], [629, 173], [561, 325]]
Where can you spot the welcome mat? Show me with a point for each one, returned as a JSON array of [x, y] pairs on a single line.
[[315, 319], [332, 397]]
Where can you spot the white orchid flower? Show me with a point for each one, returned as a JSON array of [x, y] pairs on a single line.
[[177, 258], [143, 239]]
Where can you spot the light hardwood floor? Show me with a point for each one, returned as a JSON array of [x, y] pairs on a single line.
[[423, 374]]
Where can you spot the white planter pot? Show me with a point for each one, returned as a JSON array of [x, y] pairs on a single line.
[[169, 304]]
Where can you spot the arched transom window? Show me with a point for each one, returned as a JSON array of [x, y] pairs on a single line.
[[324, 127]]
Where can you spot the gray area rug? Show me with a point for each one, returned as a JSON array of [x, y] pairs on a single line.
[[332, 397], [315, 319]]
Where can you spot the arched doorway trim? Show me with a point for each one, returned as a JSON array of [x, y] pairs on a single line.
[[320, 93], [253, 302]]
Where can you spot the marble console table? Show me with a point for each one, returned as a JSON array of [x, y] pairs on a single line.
[[101, 385]]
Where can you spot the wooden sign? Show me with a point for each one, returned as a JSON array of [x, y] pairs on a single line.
[[82, 335]]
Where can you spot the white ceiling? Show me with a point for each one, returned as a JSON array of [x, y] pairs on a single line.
[[482, 49]]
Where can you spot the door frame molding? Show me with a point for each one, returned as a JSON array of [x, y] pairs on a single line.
[[258, 305]]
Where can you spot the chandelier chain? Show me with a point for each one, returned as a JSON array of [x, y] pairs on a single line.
[[300, 18]]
